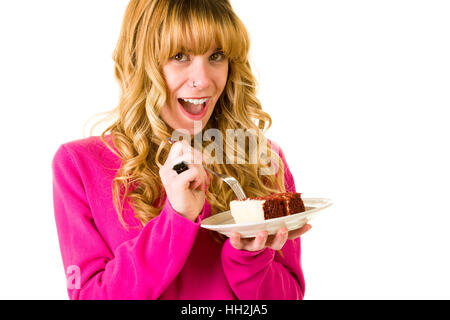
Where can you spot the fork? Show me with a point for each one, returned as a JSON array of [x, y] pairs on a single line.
[[231, 181]]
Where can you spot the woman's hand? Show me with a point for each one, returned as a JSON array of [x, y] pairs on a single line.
[[186, 191], [262, 240]]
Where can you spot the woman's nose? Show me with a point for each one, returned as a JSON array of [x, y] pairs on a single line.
[[199, 74]]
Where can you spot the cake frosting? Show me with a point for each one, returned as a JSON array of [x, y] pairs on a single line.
[[263, 208]]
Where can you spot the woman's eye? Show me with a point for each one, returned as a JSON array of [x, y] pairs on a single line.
[[180, 57], [217, 56]]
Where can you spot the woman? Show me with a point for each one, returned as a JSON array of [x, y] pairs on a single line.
[[128, 224]]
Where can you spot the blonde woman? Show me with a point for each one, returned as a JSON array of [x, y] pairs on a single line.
[[128, 223]]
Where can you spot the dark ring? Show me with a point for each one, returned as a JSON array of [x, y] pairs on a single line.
[[180, 167]]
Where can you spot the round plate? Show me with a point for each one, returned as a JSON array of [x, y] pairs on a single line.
[[224, 223]]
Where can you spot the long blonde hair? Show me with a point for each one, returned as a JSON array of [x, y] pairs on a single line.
[[153, 31]]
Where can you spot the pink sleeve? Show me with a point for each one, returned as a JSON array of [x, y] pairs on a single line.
[[265, 274], [140, 268]]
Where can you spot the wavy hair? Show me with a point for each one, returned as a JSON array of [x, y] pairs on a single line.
[[152, 32]]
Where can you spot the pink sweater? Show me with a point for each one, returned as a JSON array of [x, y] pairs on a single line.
[[170, 258]]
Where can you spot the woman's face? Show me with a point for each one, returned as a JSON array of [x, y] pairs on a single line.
[[195, 84]]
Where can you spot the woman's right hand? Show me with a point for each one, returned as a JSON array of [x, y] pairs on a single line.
[[185, 191]]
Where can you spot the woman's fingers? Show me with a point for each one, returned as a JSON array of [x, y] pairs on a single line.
[[197, 156], [235, 241], [249, 244], [176, 150], [184, 189], [195, 176], [259, 242], [262, 240], [279, 240], [298, 232], [182, 149]]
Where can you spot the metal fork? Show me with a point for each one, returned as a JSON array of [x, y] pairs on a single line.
[[232, 182]]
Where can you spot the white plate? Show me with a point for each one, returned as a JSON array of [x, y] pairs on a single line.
[[224, 223]]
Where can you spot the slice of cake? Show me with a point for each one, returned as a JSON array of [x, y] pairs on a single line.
[[268, 207]]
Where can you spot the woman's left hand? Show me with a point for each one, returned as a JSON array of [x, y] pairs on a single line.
[[262, 240]]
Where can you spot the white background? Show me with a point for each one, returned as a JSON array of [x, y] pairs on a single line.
[[358, 92]]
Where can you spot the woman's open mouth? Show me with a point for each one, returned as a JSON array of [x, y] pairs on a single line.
[[194, 108]]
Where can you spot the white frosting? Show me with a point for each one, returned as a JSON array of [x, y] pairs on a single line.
[[247, 211]]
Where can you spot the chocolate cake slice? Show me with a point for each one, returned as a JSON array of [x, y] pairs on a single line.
[[268, 207], [293, 202]]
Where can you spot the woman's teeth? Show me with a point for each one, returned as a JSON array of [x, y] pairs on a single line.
[[195, 101], [193, 106]]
